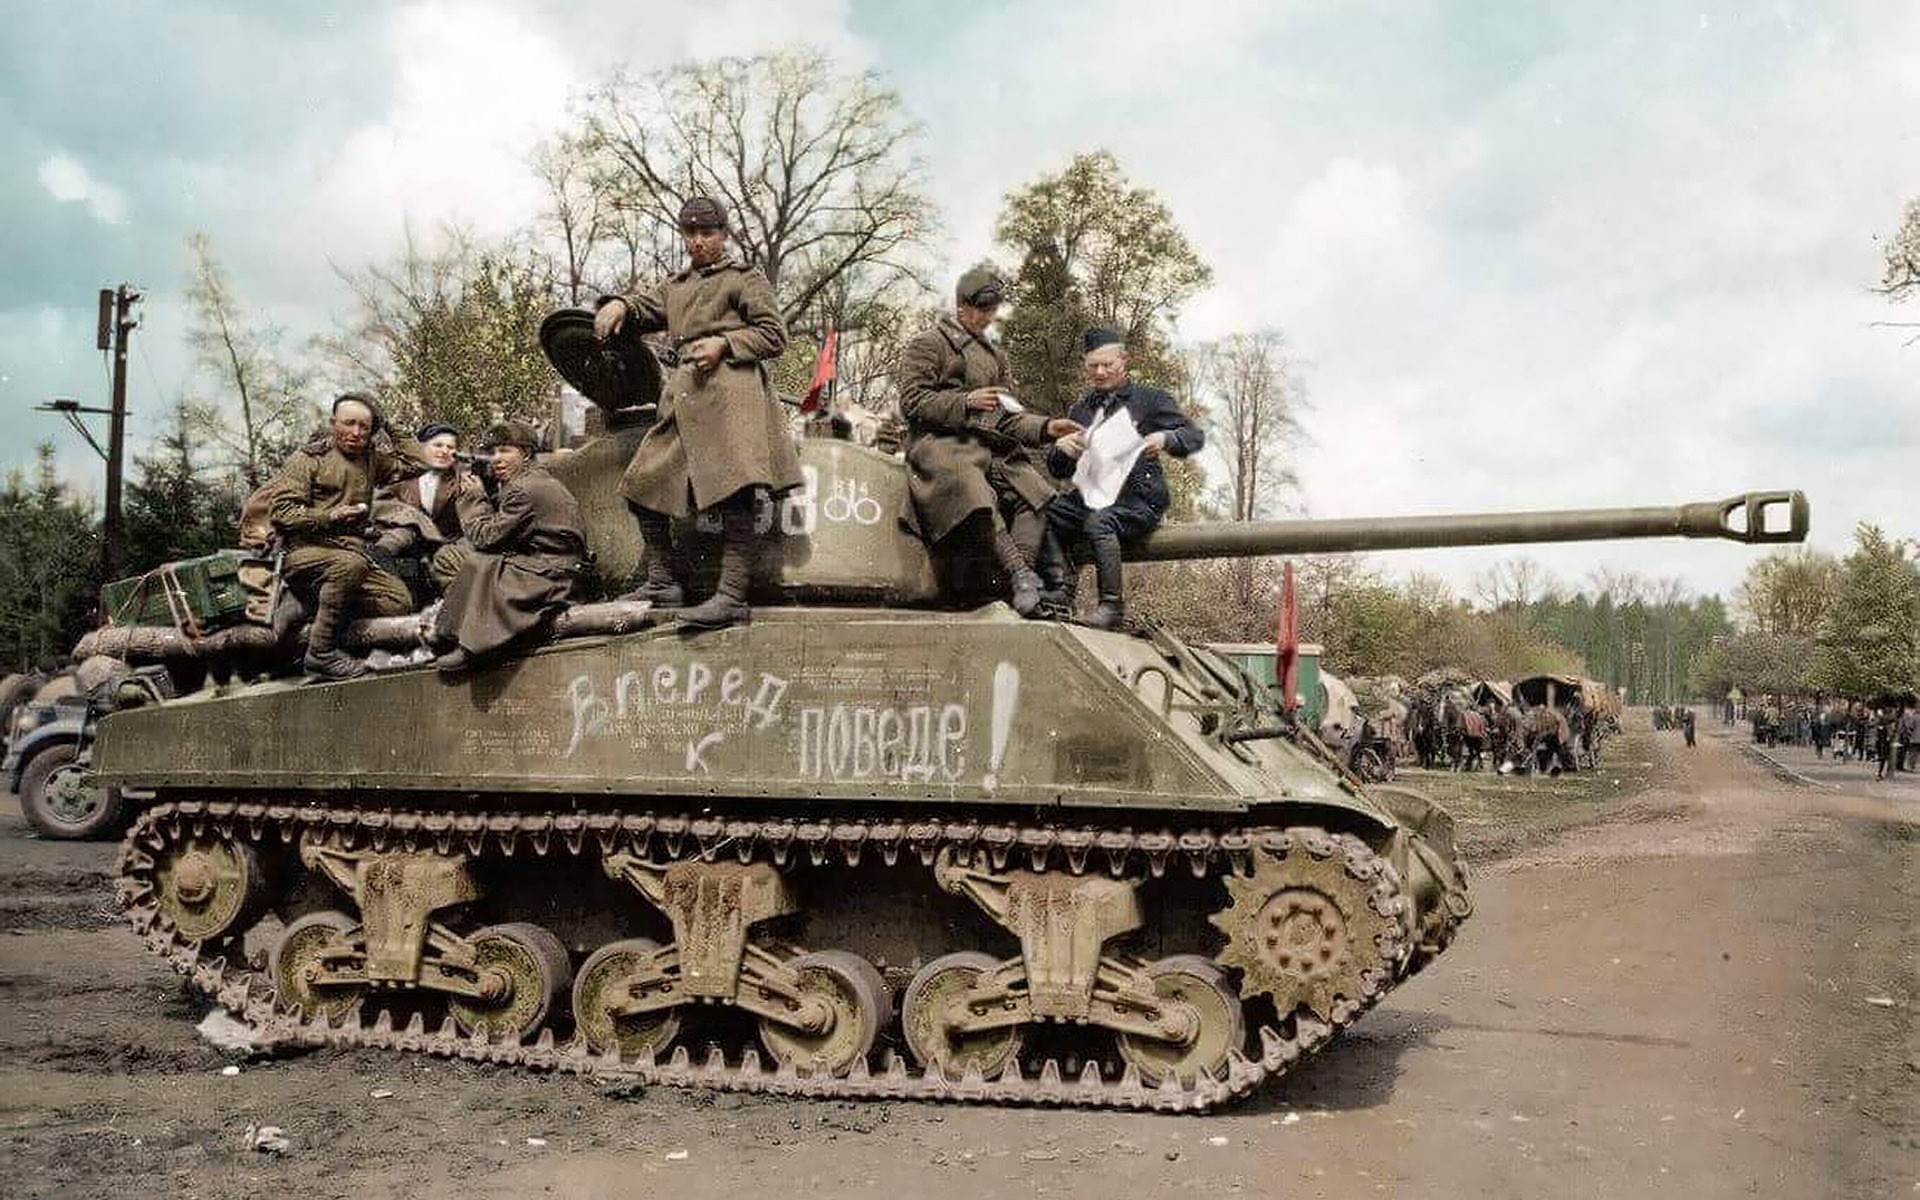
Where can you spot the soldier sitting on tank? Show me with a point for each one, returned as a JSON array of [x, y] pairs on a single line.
[[320, 503], [968, 440], [720, 442], [418, 522], [1077, 532], [528, 543]]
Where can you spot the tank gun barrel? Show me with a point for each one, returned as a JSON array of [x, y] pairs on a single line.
[[1742, 518]]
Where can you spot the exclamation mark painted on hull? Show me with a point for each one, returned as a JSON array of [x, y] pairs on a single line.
[[1006, 697]]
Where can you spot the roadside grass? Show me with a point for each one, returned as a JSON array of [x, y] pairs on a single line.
[[1496, 815]]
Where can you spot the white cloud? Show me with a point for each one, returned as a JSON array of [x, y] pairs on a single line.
[[67, 180]]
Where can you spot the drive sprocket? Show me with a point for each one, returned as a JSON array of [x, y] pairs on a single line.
[[1318, 922]]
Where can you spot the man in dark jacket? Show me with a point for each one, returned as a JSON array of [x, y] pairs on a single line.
[[1077, 531], [968, 440], [528, 543], [319, 506], [721, 440], [418, 520]]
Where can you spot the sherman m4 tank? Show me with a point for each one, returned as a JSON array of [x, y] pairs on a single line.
[[868, 845]]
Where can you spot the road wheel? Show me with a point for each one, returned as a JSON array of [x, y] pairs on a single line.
[[59, 804], [632, 1037], [298, 957], [923, 1018], [855, 992], [1222, 1027], [528, 973]]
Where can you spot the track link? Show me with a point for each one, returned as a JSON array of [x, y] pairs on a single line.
[[221, 973]]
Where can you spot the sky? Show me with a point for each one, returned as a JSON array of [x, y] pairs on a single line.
[[1527, 253]]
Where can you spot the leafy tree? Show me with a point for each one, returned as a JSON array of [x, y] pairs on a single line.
[[450, 333], [49, 566], [1789, 591], [262, 409], [1869, 641], [1093, 249]]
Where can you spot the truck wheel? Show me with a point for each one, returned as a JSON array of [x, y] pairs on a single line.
[[59, 805]]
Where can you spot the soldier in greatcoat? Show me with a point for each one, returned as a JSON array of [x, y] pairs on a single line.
[[720, 440], [528, 543], [968, 441], [319, 506]]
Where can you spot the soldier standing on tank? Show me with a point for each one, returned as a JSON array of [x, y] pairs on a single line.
[[1073, 528], [528, 543], [320, 502], [721, 442], [967, 446]]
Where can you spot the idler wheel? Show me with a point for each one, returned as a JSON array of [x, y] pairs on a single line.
[[857, 996], [296, 963], [209, 888], [524, 972], [636, 1037], [1222, 1028], [930, 1037]]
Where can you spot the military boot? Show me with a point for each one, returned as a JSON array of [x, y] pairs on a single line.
[[1025, 593], [1059, 578], [1108, 575], [324, 659], [728, 604], [658, 586]]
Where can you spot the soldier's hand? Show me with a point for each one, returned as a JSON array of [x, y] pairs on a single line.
[[470, 486], [348, 514], [706, 353], [983, 399], [1073, 445], [612, 315], [1156, 442], [1059, 427]]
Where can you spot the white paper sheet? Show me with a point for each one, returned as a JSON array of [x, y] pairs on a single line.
[[1009, 404], [1113, 445]]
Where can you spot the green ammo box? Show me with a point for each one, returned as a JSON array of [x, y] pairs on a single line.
[[196, 596]]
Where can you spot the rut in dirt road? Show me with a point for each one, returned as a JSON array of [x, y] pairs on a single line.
[[1669, 1002]]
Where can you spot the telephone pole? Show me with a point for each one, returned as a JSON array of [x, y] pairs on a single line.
[[116, 323]]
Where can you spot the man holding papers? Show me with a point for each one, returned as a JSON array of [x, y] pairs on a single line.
[[1120, 491]]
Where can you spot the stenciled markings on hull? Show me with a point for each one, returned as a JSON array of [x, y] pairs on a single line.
[[686, 712], [799, 512]]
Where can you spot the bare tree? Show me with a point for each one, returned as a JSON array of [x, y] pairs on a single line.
[[1900, 276], [244, 359], [1514, 583], [1255, 398], [817, 167]]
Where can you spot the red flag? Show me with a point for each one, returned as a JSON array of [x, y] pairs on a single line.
[[823, 372], [1287, 643]]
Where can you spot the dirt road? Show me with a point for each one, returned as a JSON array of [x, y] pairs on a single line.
[[1675, 1000]]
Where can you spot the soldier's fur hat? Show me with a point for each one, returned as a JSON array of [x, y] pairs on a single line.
[[703, 212], [513, 433], [981, 288]]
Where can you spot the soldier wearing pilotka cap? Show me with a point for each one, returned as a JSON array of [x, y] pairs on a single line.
[[720, 440], [968, 441]]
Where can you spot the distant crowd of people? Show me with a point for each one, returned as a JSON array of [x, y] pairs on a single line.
[[1886, 734]]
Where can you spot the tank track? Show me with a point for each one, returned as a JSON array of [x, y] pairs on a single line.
[[221, 973]]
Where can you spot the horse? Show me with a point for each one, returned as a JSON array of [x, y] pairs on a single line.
[[1423, 730]]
